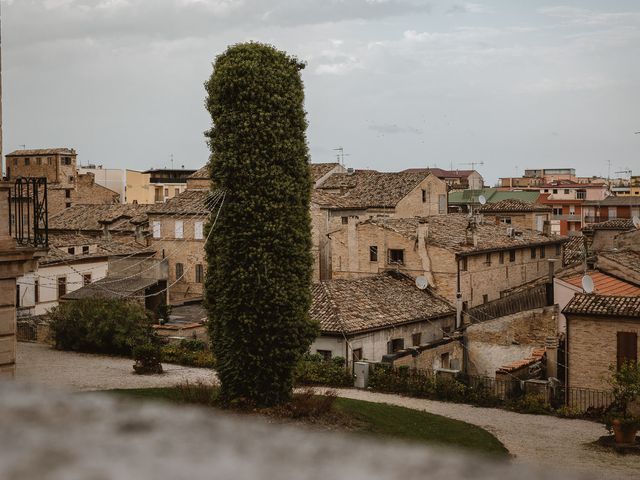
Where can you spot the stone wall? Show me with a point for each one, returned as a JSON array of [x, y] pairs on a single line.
[[83, 191], [50, 166], [495, 343], [431, 189], [432, 358], [592, 347]]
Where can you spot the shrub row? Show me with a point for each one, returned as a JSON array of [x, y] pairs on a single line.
[[190, 353], [314, 370]]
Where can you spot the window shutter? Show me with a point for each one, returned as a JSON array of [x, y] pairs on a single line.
[[198, 231], [179, 229], [156, 229], [627, 347]]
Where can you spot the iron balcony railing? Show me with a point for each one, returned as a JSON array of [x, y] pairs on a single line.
[[29, 221]]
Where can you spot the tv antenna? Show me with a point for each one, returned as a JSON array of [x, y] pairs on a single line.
[[626, 171], [340, 155], [472, 164], [172, 161], [421, 282], [587, 284]]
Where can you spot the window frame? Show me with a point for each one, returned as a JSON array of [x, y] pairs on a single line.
[[392, 252], [373, 253]]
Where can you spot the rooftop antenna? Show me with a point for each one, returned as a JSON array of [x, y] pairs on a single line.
[[24, 147], [472, 164], [340, 155], [172, 161], [587, 284]]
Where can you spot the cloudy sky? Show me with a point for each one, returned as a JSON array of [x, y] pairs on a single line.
[[397, 83]]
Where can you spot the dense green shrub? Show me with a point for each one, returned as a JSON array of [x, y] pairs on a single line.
[[258, 283], [191, 353], [314, 370], [100, 326], [148, 357], [530, 403]]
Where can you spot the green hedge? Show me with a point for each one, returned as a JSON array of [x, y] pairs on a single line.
[[191, 353], [314, 370]]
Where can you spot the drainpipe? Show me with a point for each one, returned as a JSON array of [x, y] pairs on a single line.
[[458, 297], [550, 293]]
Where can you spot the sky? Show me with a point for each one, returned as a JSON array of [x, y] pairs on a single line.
[[396, 83]]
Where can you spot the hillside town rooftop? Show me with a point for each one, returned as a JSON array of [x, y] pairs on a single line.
[[42, 151], [189, 201], [68, 247], [119, 217], [613, 224], [373, 303], [510, 205], [604, 305], [319, 170], [627, 258]]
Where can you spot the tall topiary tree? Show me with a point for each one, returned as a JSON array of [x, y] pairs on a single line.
[[259, 273]]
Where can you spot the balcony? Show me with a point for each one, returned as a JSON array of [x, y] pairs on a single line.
[[28, 217]]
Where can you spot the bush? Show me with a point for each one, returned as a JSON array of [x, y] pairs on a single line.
[[530, 403], [314, 370], [100, 326], [148, 357], [308, 404], [190, 353]]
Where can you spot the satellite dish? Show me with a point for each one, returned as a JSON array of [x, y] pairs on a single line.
[[587, 284], [636, 222], [482, 200], [422, 283]]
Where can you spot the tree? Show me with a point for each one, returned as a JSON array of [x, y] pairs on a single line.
[[259, 260]]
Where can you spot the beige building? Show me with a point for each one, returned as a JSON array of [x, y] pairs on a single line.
[[518, 214], [365, 194], [370, 318], [66, 186], [602, 332], [178, 235], [155, 185], [200, 179], [481, 261], [111, 178], [456, 179]]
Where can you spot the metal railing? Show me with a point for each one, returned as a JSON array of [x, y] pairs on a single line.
[[29, 221]]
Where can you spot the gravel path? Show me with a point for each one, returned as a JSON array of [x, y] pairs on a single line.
[[534, 439], [540, 440], [43, 365]]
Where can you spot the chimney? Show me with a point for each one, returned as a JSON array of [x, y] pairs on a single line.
[[552, 345]]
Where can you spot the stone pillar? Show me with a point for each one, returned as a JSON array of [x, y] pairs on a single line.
[[552, 345], [14, 262]]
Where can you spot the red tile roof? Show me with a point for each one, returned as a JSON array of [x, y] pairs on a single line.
[[604, 306], [606, 284], [513, 205], [535, 357]]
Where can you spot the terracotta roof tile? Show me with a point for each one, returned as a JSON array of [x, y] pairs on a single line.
[[614, 224], [605, 284], [189, 201], [626, 258], [41, 151], [373, 303], [535, 357], [201, 174], [119, 217], [59, 244], [574, 250], [513, 205], [604, 305], [319, 170], [450, 232]]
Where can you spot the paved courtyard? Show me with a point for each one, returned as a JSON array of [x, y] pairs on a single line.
[[540, 440]]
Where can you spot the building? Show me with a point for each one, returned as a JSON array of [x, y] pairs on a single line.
[[518, 214], [155, 185], [321, 171], [602, 236], [66, 185], [481, 260], [178, 237], [540, 176], [611, 208], [465, 201], [200, 179], [369, 318], [111, 178], [73, 261], [456, 179], [362, 194], [602, 333]]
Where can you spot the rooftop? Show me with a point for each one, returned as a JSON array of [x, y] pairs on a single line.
[[201, 173], [605, 284], [614, 224], [373, 189], [119, 217], [442, 173], [319, 170], [513, 205], [373, 303], [625, 258], [189, 201], [535, 357], [492, 195], [574, 250], [450, 232], [41, 151], [113, 287], [603, 305], [59, 245], [623, 201]]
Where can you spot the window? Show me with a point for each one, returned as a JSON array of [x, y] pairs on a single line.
[[18, 296], [416, 339], [66, 160], [68, 205], [27, 161], [512, 256], [86, 279], [613, 212], [463, 264], [198, 231], [71, 250], [62, 287], [572, 209], [445, 361], [627, 348], [325, 354], [581, 194], [396, 256], [373, 253], [49, 160], [85, 250], [345, 220], [166, 193], [38, 161], [487, 259], [533, 253], [558, 250], [15, 162], [546, 190], [156, 229], [395, 345], [67, 193], [179, 229], [176, 191], [555, 190], [357, 354], [501, 258], [485, 298], [506, 220], [424, 196], [566, 191], [199, 273], [442, 204], [36, 290], [179, 271], [543, 251]]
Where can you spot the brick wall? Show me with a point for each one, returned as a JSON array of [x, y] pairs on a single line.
[[592, 348], [497, 342], [50, 166], [413, 205], [432, 358], [83, 191]]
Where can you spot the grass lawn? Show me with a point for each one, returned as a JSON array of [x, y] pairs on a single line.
[[378, 419]]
